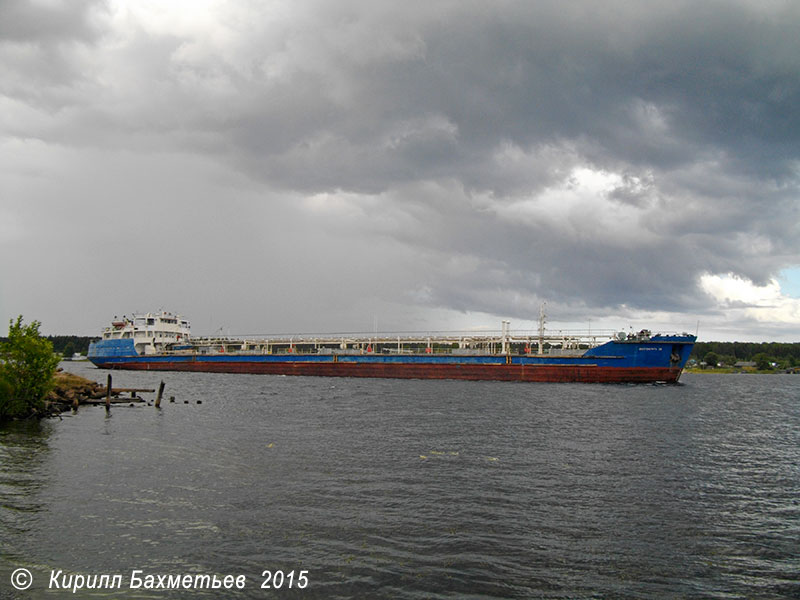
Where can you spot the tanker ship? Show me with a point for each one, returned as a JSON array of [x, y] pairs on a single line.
[[162, 341]]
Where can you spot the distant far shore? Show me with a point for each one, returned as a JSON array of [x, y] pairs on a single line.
[[746, 371]]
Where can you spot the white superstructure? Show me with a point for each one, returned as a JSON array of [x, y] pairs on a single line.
[[151, 332]]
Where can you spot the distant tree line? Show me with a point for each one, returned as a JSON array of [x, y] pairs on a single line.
[[70, 344], [784, 355], [67, 345]]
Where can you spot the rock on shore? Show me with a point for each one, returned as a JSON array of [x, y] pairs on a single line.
[[69, 387]]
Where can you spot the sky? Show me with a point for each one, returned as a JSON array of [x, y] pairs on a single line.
[[277, 166]]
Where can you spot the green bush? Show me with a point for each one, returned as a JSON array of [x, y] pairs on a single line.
[[27, 366], [763, 362]]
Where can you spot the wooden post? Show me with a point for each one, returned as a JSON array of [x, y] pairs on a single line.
[[75, 403], [108, 394], [158, 396]]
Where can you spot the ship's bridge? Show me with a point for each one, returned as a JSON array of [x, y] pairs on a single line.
[[151, 332]]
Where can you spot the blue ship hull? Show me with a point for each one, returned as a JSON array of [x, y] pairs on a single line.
[[658, 359]]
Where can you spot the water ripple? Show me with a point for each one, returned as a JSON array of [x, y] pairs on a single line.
[[421, 489]]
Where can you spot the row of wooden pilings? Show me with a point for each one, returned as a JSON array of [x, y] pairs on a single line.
[[133, 391]]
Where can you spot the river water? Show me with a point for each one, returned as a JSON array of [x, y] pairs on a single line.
[[413, 489]]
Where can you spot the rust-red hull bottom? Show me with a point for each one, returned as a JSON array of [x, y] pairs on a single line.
[[527, 373]]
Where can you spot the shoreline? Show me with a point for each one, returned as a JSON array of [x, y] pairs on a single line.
[[71, 391], [732, 371]]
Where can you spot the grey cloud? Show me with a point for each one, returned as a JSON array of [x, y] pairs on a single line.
[[681, 88], [658, 89], [40, 59], [47, 22], [428, 122]]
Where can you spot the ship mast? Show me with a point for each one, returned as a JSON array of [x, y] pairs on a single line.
[[542, 321], [505, 334]]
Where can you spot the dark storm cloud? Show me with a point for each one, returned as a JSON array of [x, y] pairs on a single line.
[[662, 89], [598, 155], [39, 43]]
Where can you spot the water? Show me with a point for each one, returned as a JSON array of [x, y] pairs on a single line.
[[416, 489]]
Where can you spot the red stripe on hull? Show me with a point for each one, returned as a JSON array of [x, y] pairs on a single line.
[[528, 373]]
